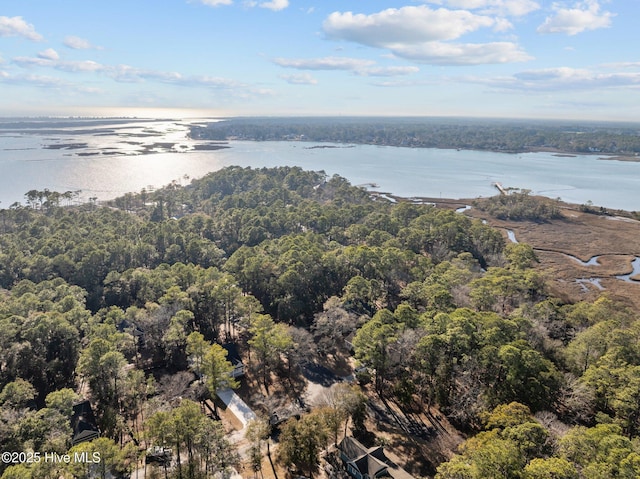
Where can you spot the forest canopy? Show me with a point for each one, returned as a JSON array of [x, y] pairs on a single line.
[[131, 305]]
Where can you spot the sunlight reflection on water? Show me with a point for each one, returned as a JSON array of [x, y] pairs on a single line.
[[130, 155]]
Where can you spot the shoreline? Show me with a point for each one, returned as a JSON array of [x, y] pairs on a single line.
[[594, 210], [633, 159], [400, 183], [320, 144]]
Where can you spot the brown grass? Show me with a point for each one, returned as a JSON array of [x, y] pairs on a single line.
[[582, 235]]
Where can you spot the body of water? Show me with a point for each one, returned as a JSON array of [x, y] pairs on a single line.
[[105, 160]]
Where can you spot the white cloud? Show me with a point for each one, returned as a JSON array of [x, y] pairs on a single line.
[[502, 25], [257, 92], [123, 73], [80, 66], [622, 65], [216, 3], [583, 16], [510, 8], [404, 83], [62, 87], [387, 71], [326, 63], [358, 66], [439, 53], [127, 74], [33, 61], [422, 34], [572, 78], [49, 58], [17, 27], [34, 80], [49, 54], [214, 82], [275, 5], [406, 25], [562, 79], [300, 79], [556, 74], [77, 43]]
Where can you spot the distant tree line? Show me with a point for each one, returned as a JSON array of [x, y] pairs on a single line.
[[481, 134]]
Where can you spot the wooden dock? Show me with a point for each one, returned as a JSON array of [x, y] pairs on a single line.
[[500, 188]]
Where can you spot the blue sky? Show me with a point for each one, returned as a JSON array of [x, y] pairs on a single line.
[[483, 58]]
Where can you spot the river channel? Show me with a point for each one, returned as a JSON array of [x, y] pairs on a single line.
[[108, 161]]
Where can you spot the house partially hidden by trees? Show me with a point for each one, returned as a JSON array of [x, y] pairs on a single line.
[[233, 356], [83, 423], [368, 463]]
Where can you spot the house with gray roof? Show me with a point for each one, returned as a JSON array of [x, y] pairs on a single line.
[[368, 463], [362, 462]]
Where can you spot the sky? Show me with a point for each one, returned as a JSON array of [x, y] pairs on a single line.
[[477, 58]]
